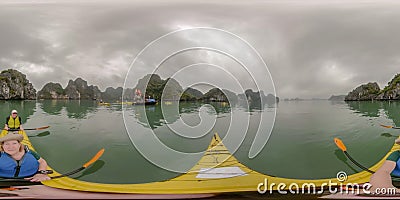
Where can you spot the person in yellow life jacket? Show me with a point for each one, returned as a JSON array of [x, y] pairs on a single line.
[[13, 121]]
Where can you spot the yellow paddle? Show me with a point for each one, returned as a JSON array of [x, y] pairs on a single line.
[[387, 126]]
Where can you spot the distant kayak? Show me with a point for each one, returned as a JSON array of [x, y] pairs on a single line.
[[104, 104]]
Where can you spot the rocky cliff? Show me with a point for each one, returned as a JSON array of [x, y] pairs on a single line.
[[171, 90], [155, 87], [77, 89], [271, 99], [128, 94], [392, 90], [150, 85], [371, 91], [112, 94], [216, 94], [253, 97], [364, 92], [52, 91], [191, 94], [256, 97], [15, 85]]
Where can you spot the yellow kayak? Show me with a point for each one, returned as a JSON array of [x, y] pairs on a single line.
[[218, 171], [104, 104]]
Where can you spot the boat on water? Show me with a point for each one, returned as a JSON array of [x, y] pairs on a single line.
[[104, 104], [168, 102], [218, 171], [145, 102], [125, 103], [140, 99]]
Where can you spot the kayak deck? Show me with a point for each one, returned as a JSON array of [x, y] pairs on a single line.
[[218, 171]]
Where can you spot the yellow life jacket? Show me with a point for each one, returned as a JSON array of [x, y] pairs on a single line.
[[13, 123]]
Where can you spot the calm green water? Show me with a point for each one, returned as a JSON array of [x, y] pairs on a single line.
[[301, 144]]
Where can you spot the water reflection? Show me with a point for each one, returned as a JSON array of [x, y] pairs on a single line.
[[373, 109], [153, 116], [80, 109], [76, 109], [42, 134], [388, 135], [340, 155], [157, 115], [25, 109], [392, 110], [221, 107], [253, 106], [365, 108], [53, 107]]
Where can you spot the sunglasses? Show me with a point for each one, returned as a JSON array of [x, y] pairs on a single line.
[[15, 113]]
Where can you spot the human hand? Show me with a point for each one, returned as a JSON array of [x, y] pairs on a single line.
[[38, 178], [397, 141]]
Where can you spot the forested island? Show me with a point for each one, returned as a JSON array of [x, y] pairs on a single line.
[[15, 86]]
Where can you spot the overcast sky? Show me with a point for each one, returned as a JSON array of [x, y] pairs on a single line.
[[311, 48]]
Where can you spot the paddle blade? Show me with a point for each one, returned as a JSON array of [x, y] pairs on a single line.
[[95, 158], [41, 128], [340, 144], [386, 126]]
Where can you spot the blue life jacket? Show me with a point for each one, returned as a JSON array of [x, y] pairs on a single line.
[[10, 168], [396, 170]]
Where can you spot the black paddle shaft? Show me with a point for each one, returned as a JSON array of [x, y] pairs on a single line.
[[358, 164], [69, 173]]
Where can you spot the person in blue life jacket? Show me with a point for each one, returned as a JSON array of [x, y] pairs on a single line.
[[390, 168], [13, 121], [16, 161]]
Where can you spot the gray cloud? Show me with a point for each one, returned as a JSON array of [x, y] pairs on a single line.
[[312, 48]]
